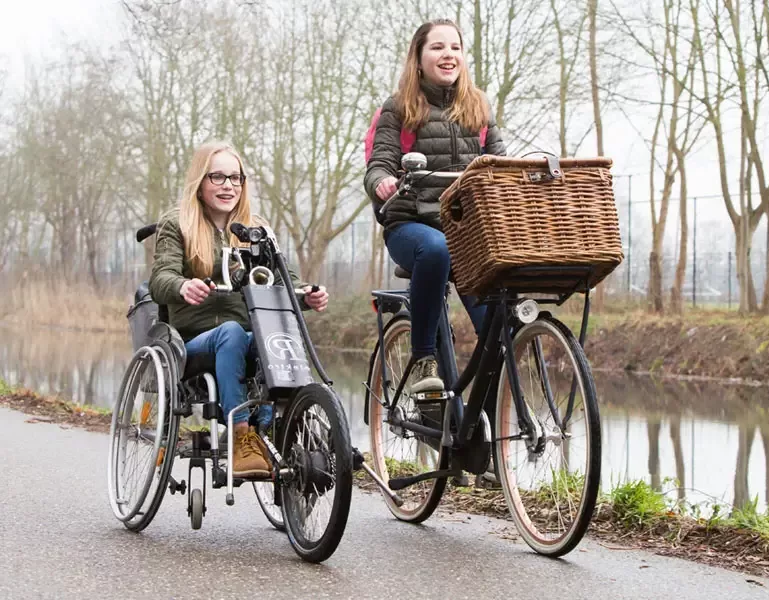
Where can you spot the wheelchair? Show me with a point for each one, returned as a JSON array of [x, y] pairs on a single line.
[[308, 492]]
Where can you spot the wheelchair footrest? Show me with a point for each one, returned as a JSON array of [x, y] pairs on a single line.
[[257, 478]]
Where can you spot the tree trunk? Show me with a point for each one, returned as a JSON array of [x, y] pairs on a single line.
[[592, 7], [653, 435], [744, 445], [656, 303], [678, 452], [676, 294], [742, 258]]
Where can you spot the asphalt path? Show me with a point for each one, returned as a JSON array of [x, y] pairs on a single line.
[[59, 539]]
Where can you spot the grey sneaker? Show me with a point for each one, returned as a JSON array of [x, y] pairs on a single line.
[[424, 376]]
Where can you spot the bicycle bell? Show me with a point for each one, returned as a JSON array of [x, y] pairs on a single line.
[[413, 161]]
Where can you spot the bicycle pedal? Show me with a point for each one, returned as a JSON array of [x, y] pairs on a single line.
[[441, 396]]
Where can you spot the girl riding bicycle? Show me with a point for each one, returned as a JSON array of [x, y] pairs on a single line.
[[438, 102], [187, 251]]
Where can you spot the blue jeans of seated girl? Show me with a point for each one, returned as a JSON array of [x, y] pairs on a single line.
[[422, 250], [232, 345]]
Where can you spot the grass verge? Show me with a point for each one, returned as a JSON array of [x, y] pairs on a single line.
[[635, 516]]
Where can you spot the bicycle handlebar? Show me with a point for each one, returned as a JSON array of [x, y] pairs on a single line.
[[144, 232], [407, 182]]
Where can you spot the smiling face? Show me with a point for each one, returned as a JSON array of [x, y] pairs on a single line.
[[442, 56], [220, 200]]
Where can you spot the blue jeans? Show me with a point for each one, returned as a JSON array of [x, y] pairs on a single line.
[[422, 250], [232, 345]]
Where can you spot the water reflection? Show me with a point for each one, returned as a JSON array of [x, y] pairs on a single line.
[[712, 439]]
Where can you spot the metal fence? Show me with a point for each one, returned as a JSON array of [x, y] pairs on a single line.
[[710, 266]]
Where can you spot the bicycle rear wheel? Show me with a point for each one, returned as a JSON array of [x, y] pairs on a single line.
[[317, 450], [396, 452], [551, 481]]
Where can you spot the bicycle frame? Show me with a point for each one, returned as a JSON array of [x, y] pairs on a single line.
[[497, 333]]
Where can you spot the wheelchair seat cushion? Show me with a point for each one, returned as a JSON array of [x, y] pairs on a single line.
[[197, 364]]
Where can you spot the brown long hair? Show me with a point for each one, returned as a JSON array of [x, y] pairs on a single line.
[[196, 228], [469, 108]]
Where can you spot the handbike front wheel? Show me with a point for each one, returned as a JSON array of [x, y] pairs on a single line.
[[396, 452], [550, 480], [316, 496]]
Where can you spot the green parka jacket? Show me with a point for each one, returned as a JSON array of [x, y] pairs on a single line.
[[171, 269]]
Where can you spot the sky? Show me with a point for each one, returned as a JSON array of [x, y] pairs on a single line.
[[30, 29]]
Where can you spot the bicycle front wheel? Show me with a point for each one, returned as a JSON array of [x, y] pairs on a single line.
[[551, 476]]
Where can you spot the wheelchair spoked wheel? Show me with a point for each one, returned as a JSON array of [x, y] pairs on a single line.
[[317, 451], [143, 435], [265, 495]]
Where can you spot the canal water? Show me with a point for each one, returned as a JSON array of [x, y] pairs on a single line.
[[712, 438]]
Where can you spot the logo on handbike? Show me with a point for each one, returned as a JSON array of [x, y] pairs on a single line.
[[285, 347]]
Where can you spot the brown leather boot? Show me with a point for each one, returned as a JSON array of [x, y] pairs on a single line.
[[249, 458]]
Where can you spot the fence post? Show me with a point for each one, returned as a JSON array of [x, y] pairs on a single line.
[[352, 254], [629, 226], [729, 278], [694, 256]]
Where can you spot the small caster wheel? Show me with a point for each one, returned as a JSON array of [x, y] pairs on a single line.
[[230, 499], [196, 508]]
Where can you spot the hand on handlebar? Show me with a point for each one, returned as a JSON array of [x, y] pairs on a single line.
[[194, 291], [387, 187], [316, 297]]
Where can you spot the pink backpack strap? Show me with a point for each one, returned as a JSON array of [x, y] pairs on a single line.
[[371, 134], [408, 139], [482, 137]]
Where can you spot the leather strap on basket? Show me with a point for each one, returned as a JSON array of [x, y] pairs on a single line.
[[553, 167]]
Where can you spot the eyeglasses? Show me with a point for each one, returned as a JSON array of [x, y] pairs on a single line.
[[236, 179]]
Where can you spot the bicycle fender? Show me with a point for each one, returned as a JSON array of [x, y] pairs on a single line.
[[366, 398]]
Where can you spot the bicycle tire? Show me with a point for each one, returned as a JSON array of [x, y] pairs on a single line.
[[537, 506], [420, 505]]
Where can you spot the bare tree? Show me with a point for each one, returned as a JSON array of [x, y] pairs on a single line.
[[569, 27], [748, 76], [673, 67], [170, 93], [717, 86], [310, 165]]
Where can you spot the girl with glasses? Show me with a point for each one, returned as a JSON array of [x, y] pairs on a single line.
[[188, 251]]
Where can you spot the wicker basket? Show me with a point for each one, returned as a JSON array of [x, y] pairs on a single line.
[[509, 224]]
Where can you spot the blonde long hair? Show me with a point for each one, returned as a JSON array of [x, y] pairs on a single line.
[[469, 108], [195, 226]]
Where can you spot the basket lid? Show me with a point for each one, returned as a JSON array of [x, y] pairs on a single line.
[[491, 160]]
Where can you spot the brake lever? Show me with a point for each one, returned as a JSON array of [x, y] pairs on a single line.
[[300, 293], [227, 285]]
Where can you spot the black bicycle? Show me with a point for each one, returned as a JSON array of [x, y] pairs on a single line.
[[308, 492], [527, 371]]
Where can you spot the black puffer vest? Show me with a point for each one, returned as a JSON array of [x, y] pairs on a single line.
[[446, 144]]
